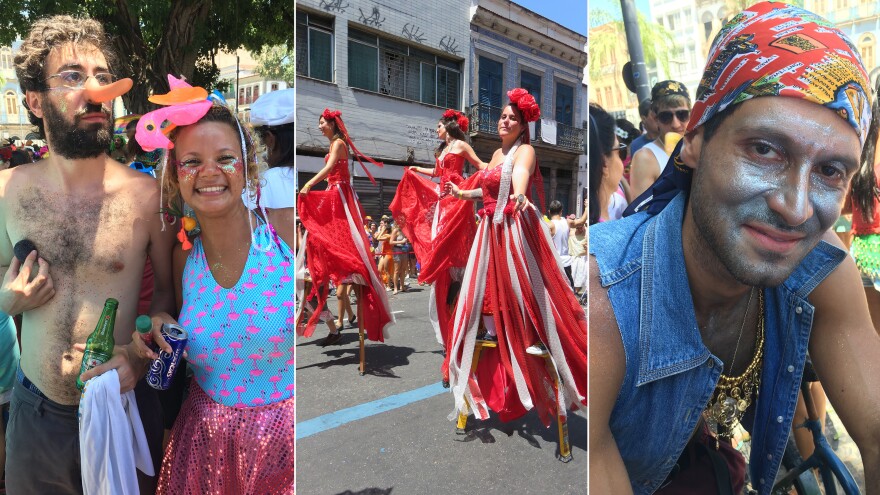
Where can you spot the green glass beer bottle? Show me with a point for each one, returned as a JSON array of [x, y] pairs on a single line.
[[99, 346]]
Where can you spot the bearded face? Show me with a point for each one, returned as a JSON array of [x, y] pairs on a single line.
[[85, 135]]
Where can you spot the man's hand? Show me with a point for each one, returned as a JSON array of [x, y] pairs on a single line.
[[19, 293], [127, 362]]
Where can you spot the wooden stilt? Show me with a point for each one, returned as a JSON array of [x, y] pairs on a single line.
[[463, 415], [360, 317], [564, 454]]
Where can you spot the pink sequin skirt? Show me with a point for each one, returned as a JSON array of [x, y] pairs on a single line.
[[216, 449]]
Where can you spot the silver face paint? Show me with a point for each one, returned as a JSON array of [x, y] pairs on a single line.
[[767, 188]]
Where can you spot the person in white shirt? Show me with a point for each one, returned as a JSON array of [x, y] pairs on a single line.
[[559, 230], [272, 117]]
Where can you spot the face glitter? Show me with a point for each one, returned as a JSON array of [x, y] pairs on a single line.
[[187, 174], [231, 168]]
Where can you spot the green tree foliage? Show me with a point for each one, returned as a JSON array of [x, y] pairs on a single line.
[[156, 37], [276, 62], [657, 42]]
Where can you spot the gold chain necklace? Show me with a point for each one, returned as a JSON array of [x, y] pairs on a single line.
[[733, 394]]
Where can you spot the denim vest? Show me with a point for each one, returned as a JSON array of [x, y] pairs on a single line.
[[670, 374]]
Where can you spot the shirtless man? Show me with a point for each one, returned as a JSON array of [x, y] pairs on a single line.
[[93, 221], [670, 110]]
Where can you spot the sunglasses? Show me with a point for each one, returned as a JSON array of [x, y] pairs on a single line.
[[621, 150], [665, 117]]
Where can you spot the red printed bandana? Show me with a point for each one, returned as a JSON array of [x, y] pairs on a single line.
[[775, 49]]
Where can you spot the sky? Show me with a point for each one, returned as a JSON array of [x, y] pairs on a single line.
[[569, 13], [614, 5]]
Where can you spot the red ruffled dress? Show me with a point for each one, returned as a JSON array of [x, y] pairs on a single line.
[[441, 229], [337, 250], [514, 274]]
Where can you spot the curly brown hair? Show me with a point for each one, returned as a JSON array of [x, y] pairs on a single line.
[[217, 113], [46, 34]]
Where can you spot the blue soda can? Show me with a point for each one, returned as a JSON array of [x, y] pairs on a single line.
[[162, 369]]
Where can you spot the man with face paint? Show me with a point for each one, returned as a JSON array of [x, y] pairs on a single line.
[[84, 213], [704, 304]]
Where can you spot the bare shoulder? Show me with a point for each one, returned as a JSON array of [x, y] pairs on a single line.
[[339, 146], [179, 256], [6, 176], [643, 158], [525, 150], [282, 220], [525, 155], [607, 357], [11, 178], [835, 291], [603, 322]]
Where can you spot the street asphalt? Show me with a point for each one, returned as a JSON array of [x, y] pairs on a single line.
[[387, 432]]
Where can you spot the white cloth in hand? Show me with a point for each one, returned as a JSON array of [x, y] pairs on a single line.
[[112, 442]]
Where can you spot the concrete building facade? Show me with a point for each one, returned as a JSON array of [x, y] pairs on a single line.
[[391, 72]]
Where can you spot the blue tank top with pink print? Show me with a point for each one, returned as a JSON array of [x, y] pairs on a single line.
[[241, 340]]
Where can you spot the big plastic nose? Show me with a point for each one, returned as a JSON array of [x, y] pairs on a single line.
[[101, 94]]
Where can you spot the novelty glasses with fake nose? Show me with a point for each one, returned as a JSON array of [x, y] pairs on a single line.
[[75, 79]]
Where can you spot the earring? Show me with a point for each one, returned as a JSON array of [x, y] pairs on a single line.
[[188, 224]]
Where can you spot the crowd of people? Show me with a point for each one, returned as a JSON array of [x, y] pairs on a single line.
[[226, 425]]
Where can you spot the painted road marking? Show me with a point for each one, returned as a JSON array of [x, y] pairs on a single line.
[[338, 418]]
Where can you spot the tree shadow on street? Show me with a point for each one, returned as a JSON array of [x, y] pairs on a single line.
[[380, 360]]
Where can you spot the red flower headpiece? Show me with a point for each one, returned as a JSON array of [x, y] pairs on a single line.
[[459, 118], [526, 104], [463, 122], [331, 114]]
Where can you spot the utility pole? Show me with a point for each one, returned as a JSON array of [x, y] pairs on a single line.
[[236, 83], [634, 45]]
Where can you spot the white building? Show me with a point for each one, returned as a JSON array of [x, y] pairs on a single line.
[[693, 24], [245, 85], [13, 116]]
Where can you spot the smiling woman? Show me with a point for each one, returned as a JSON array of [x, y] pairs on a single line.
[[236, 408]]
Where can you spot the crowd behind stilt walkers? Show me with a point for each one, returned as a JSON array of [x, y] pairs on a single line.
[[503, 280]]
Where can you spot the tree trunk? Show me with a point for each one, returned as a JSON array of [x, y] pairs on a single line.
[[148, 66]]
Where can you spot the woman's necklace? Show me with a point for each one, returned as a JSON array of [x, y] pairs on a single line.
[[447, 150], [733, 394]]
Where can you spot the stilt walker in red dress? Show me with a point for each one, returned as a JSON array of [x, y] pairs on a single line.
[[515, 283], [337, 249], [440, 227]]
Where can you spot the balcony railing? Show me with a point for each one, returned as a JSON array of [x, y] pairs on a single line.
[[484, 119]]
